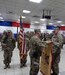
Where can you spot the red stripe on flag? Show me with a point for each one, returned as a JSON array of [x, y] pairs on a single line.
[[21, 35], [24, 47], [21, 31], [22, 44]]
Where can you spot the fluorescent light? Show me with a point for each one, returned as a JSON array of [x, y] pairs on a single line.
[[35, 1], [50, 23], [62, 24], [59, 21], [1, 20], [36, 22], [1, 17], [32, 23], [26, 11], [43, 19], [23, 17]]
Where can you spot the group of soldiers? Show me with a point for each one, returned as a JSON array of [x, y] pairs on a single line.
[[35, 45]]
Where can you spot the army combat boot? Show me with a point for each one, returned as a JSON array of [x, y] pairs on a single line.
[[54, 74], [8, 65], [5, 67]]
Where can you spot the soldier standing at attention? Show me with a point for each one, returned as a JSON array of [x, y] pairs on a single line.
[[35, 52], [9, 44], [57, 44]]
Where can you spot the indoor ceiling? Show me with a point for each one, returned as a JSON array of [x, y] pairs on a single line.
[[11, 9]]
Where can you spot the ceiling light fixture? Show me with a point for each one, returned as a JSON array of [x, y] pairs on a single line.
[[62, 24], [1, 20], [35, 1], [1, 17], [59, 21], [26, 11], [23, 17], [43, 19], [50, 23], [36, 22]]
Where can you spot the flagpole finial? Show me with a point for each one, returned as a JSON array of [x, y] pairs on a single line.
[[21, 22], [20, 16]]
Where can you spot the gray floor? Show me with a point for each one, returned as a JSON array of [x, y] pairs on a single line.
[[62, 62], [15, 69]]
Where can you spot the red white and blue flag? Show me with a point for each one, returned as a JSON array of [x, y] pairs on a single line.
[[22, 41]]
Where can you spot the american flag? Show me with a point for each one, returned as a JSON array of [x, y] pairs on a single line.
[[22, 42]]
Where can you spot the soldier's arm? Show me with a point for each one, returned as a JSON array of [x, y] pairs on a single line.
[[56, 43], [40, 44], [60, 40], [13, 42], [2, 41]]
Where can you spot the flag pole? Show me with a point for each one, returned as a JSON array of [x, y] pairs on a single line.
[[17, 37]]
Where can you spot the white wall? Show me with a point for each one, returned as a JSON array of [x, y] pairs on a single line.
[[32, 27], [13, 29]]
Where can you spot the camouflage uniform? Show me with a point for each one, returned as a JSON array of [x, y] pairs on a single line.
[[35, 53], [31, 34], [46, 36], [3, 36], [57, 43], [9, 45]]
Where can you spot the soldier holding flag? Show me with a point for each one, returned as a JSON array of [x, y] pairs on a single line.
[[22, 45]]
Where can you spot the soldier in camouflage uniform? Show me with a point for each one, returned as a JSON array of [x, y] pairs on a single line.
[[46, 36], [31, 34], [57, 43], [9, 44], [35, 52]]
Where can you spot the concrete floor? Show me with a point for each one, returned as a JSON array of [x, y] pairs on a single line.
[[15, 66]]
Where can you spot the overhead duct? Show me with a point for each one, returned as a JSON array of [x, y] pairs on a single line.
[[46, 14]]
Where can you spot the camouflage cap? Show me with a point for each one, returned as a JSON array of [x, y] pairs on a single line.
[[4, 32]]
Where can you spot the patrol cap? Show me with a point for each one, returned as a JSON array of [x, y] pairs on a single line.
[[37, 30], [4, 32]]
